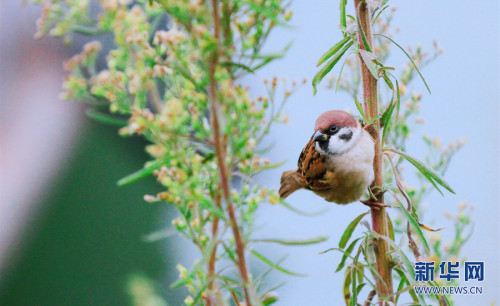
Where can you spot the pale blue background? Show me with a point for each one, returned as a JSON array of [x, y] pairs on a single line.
[[464, 102]]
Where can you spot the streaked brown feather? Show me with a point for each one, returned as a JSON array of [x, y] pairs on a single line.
[[311, 174], [312, 169]]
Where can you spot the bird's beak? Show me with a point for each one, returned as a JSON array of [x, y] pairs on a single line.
[[320, 137]]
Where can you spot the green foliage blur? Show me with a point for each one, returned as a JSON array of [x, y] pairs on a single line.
[[89, 238]]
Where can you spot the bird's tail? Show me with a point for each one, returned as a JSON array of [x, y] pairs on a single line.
[[288, 183]]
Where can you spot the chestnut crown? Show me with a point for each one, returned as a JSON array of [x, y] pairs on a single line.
[[335, 118]]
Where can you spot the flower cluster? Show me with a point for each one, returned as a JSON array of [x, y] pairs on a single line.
[[173, 73]]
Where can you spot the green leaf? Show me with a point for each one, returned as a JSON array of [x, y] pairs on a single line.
[[343, 22], [332, 51], [400, 286], [378, 14], [368, 58], [295, 241], [269, 299], [105, 118], [407, 268], [416, 225], [303, 213], [364, 39], [388, 125], [275, 266], [270, 166], [267, 58], [409, 57], [329, 65], [403, 275], [238, 65], [360, 109], [387, 81], [431, 174], [347, 252], [347, 284], [354, 292], [390, 227], [143, 173], [340, 72], [350, 229], [386, 116]]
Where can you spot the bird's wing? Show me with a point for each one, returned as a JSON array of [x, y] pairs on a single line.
[[312, 170]]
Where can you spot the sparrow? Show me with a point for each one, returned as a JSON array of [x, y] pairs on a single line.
[[337, 162]]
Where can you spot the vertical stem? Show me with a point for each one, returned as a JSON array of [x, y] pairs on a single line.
[[220, 152], [379, 215], [213, 255]]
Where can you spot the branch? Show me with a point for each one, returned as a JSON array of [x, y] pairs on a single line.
[[370, 297], [371, 109], [220, 149]]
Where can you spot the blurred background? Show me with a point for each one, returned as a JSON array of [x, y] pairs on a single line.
[[70, 236]]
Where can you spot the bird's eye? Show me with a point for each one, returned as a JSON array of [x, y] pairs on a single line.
[[333, 129]]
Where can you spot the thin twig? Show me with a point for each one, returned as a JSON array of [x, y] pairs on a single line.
[[412, 243], [220, 150], [213, 255]]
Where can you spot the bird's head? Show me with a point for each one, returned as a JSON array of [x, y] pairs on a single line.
[[335, 132]]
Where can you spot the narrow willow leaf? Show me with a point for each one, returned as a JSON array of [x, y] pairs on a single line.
[[347, 252], [303, 213], [400, 286], [329, 66], [409, 57], [267, 58], [403, 275], [105, 118], [388, 81], [294, 242], [364, 39], [143, 173], [332, 51], [230, 253], [350, 229], [431, 174], [390, 227], [343, 22], [406, 269], [200, 292], [275, 266], [269, 299], [378, 14], [227, 279], [238, 65], [360, 109], [354, 292], [389, 124], [270, 166], [340, 72], [386, 116], [416, 226], [368, 58], [347, 286]]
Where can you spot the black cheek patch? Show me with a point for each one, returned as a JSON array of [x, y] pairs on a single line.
[[324, 145], [346, 137]]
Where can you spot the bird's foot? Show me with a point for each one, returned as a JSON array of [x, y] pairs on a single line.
[[369, 127]]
